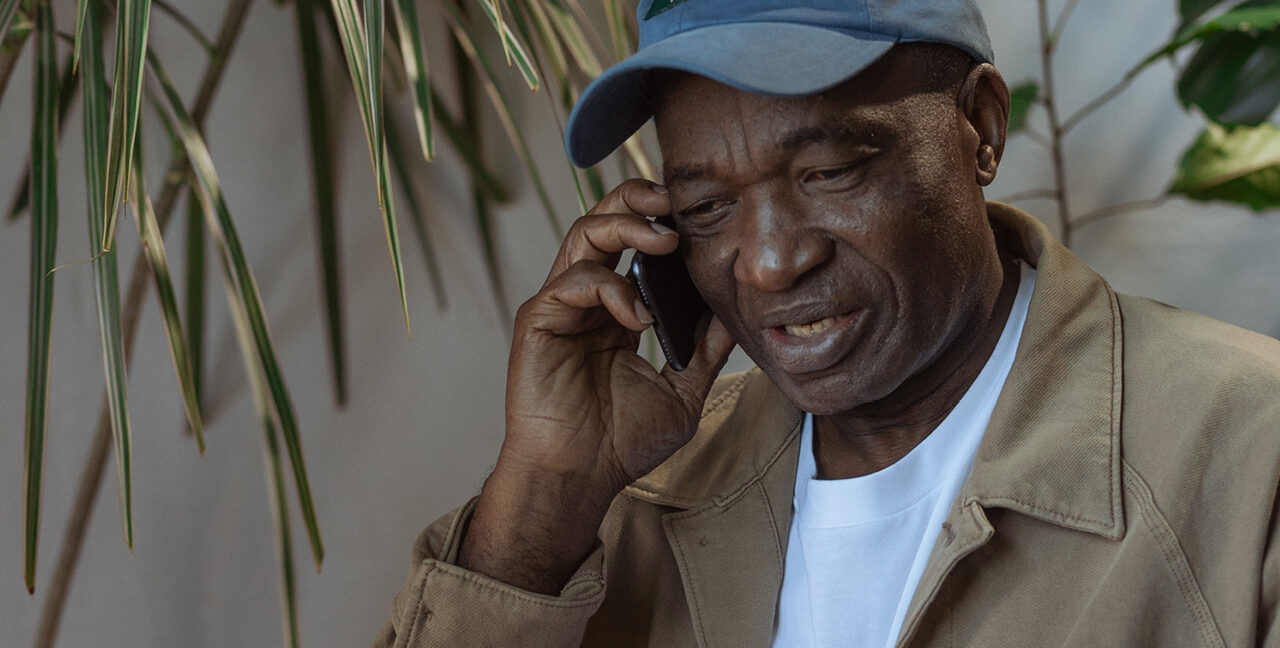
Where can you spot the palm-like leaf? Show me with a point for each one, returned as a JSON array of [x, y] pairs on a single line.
[[44, 237], [126, 105], [227, 241], [364, 62], [96, 115]]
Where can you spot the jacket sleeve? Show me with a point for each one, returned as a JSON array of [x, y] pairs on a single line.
[[441, 604]]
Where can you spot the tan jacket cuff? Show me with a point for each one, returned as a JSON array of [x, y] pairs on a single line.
[[445, 605]]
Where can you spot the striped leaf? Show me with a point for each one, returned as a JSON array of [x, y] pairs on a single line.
[[44, 237], [96, 116], [153, 247], [271, 461], [323, 183], [81, 9], [193, 282], [620, 34], [463, 36], [67, 89], [8, 8], [464, 142], [362, 45], [417, 214], [511, 46], [227, 242], [414, 53], [126, 103], [575, 39]]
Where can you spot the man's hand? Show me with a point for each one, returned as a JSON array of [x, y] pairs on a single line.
[[586, 415]]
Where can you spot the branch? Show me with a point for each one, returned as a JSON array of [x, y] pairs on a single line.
[[1030, 194], [1038, 137], [1062, 19], [1101, 100], [91, 474], [184, 22], [1122, 208]]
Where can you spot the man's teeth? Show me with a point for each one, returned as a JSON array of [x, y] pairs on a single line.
[[811, 329]]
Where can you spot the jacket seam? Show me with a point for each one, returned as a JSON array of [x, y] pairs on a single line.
[[1174, 557], [421, 611], [505, 591], [718, 500], [730, 391]]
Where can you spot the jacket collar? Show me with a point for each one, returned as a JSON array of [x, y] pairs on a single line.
[[1051, 450]]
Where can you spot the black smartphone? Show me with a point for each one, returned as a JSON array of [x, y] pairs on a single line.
[[668, 292]]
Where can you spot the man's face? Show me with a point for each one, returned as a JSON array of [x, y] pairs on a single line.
[[842, 238]]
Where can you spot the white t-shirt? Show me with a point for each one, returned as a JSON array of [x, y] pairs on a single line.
[[858, 546]]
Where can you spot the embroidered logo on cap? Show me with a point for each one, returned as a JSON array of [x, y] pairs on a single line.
[[660, 6]]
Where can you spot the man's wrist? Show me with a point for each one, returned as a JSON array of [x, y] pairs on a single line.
[[533, 528]]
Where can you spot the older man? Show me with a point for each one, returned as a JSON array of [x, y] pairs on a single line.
[[958, 435]]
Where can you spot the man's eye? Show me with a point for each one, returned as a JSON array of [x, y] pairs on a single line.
[[705, 211], [833, 173]]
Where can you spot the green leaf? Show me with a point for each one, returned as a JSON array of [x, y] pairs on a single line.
[[193, 303], [418, 214], [575, 40], [67, 89], [1252, 18], [323, 183], [81, 8], [126, 104], [364, 61], [96, 116], [511, 46], [1234, 77], [464, 142], [620, 32], [271, 461], [1192, 10], [499, 101], [1021, 98], [231, 253], [414, 53], [8, 8], [1235, 164], [153, 248], [44, 238]]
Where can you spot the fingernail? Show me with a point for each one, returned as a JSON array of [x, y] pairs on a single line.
[[657, 188], [643, 313], [661, 229]]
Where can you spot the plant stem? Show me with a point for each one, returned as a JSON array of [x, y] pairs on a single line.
[[1122, 208], [1047, 47], [1029, 194], [91, 473]]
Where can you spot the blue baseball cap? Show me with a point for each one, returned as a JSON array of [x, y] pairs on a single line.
[[771, 47]]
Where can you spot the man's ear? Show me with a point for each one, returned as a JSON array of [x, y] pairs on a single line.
[[984, 98]]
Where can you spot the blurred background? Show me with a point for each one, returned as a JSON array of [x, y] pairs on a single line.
[[424, 413]]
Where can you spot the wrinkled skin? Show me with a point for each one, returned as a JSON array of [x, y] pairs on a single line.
[[863, 204]]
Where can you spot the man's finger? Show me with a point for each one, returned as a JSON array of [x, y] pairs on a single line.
[[562, 307], [601, 239], [635, 196], [708, 359]]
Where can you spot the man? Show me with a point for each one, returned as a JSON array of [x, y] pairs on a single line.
[[998, 450]]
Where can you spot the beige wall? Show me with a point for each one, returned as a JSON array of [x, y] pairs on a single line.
[[425, 418]]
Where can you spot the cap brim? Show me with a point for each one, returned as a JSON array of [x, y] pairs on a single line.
[[778, 59]]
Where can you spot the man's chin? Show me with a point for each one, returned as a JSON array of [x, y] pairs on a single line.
[[826, 393]]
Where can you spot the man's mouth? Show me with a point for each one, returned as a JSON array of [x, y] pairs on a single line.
[[809, 329], [815, 345]]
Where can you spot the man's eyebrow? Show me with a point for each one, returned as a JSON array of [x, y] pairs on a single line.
[[683, 173], [837, 131]]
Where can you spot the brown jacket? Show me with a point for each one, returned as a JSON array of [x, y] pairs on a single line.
[[1125, 494]]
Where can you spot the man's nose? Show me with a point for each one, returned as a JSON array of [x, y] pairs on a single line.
[[781, 248]]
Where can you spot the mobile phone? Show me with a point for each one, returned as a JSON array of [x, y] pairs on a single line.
[[668, 292]]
